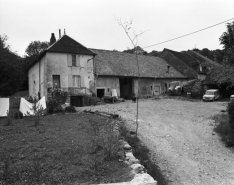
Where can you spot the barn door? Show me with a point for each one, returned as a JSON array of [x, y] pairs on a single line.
[[156, 90]]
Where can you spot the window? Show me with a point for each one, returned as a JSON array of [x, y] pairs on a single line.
[[76, 81], [73, 60]]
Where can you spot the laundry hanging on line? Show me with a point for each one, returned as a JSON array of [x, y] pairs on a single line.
[[27, 108], [4, 106]]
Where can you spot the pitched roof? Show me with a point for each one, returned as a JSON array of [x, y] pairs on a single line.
[[203, 60], [192, 60], [185, 58], [116, 63], [181, 61], [65, 45], [68, 45]]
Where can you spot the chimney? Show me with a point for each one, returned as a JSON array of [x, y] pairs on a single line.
[[59, 33], [64, 32], [52, 39]]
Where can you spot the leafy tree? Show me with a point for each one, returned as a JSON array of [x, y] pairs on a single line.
[[205, 52], [32, 52], [11, 72], [139, 50], [227, 40], [154, 53], [36, 47]]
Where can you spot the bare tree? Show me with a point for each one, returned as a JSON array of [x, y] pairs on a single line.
[[127, 26]]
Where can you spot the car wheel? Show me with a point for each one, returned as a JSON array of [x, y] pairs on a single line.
[[204, 100]]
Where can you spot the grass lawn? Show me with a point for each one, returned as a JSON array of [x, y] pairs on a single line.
[[61, 150]]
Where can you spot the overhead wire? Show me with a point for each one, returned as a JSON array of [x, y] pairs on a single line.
[[188, 34]]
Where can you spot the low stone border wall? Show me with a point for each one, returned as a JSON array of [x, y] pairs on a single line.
[[140, 175]]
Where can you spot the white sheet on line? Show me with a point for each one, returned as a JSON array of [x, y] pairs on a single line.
[[26, 107], [4, 106], [42, 102]]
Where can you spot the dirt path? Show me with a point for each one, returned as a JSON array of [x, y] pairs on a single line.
[[181, 138]]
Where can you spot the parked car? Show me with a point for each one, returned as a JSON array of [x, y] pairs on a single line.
[[211, 95], [232, 97]]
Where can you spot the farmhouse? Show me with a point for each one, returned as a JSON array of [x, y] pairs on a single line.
[[119, 70], [189, 63], [70, 66]]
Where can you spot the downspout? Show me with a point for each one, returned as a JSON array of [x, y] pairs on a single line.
[[39, 92], [94, 73]]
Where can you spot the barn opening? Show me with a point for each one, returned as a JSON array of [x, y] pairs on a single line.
[[126, 88], [100, 93]]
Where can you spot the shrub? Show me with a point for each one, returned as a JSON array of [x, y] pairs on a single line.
[[92, 100], [56, 99], [20, 115], [230, 110], [195, 87], [70, 109], [8, 121], [16, 115], [105, 138], [223, 128], [37, 110]]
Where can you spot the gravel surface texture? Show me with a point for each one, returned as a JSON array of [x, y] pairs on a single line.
[[181, 139]]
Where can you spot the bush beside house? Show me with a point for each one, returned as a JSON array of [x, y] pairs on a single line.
[[194, 87]]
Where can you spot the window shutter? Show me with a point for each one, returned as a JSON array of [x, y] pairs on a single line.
[[77, 60], [70, 81], [82, 81], [69, 60]]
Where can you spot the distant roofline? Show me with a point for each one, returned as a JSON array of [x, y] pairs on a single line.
[[126, 53]]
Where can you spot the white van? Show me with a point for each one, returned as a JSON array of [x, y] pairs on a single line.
[[211, 95], [232, 97]]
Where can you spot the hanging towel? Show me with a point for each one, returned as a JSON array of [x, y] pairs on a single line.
[[26, 107], [4, 106]]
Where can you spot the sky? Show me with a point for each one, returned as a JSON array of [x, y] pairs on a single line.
[[93, 22]]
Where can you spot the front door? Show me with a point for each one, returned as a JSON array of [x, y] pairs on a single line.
[[56, 81]]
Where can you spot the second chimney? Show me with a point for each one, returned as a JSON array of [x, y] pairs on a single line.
[[59, 33], [52, 39]]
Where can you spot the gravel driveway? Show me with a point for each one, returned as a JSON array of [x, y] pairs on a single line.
[[180, 137]]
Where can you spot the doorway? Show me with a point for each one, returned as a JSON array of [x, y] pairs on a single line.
[[126, 89], [100, 93], [56, 81]]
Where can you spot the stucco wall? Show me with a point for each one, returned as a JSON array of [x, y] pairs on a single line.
[[57, 64], [36, 85], [108, 82], [150, 86], [144, 85]]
